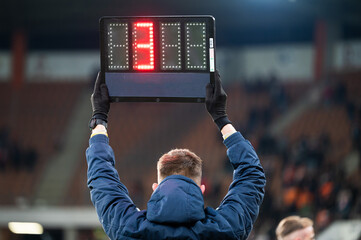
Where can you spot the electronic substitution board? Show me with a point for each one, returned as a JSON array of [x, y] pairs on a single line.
[[165, 58]]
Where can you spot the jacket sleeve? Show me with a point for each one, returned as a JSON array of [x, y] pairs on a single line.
[[109, 196], [240, 207]]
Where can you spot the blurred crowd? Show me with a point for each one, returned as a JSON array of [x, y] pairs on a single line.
[[301, 179]]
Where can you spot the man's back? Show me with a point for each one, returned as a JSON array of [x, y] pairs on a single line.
[[175, 211], [176, 208]]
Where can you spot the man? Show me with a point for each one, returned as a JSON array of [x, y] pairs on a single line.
[[176, 207], [295, 228]]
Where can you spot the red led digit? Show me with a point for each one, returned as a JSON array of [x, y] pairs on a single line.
[[143, 46]]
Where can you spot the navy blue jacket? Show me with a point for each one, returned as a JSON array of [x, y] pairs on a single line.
[[176, 208]]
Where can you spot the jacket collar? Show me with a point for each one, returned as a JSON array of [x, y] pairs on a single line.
[[177, 200]]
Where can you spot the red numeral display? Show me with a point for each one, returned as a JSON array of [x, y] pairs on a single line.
[[143, 46]]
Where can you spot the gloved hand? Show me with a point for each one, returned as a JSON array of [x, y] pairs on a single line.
[[100, 100], [216, 101]]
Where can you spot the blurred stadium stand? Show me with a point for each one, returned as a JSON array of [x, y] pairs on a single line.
[[305, 163], [33, 122]]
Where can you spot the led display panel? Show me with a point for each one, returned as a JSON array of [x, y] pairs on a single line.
[[163, 58]]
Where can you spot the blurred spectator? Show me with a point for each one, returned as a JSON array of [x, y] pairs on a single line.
[[30, 158], [14, 156], [278, 94], [328, 94], [351, 163], [267, 145], [322, 219], [340, 93], [356, 135], [344, 203], [4, 149]]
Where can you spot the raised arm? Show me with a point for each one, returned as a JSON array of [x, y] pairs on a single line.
[[109, 196], [240, 207], [241, 204]]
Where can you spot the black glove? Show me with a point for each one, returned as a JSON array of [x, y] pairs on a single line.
[[100, 100], [216, 101]]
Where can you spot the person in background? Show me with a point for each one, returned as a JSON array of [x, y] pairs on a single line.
[[295, 228]]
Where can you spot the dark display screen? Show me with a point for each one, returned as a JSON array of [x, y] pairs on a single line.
[[171, 46], [166, 55], [118, 46], [196, 45]]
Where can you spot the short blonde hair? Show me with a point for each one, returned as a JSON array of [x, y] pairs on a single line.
[[181, 162], [291, 224]]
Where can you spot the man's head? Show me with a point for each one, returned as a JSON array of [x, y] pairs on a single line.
[[295, 228], [180, 162]]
